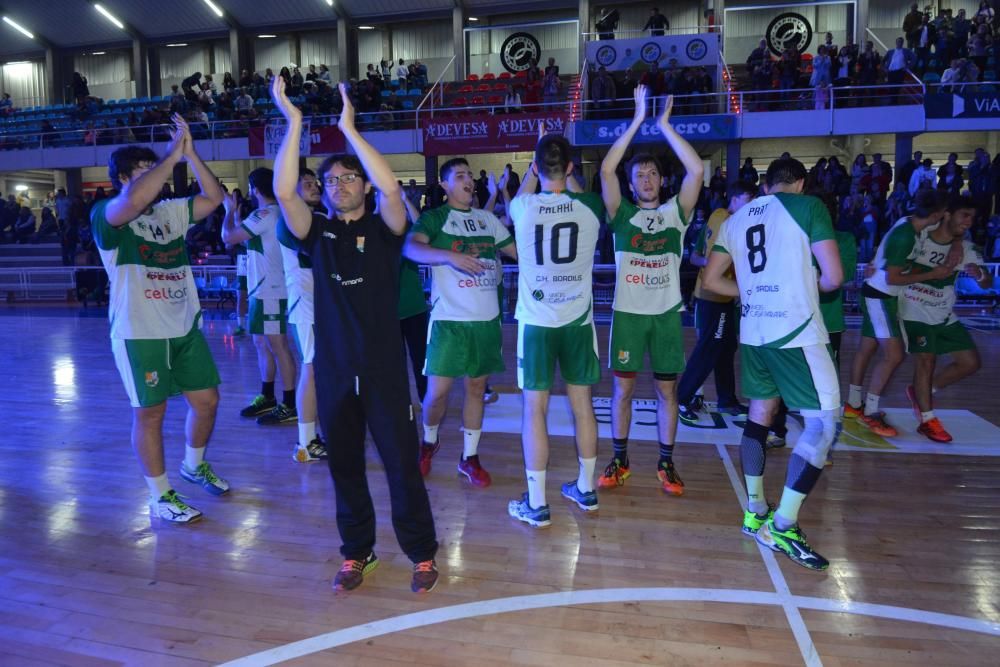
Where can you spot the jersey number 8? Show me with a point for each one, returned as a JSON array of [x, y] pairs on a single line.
[[557, 231], [757, 255]]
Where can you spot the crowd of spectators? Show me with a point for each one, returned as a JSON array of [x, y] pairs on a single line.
[[611, 93]]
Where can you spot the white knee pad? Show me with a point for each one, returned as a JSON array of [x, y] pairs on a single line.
[[818, 434]]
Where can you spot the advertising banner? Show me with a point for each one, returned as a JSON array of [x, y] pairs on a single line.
[[265, 141], [638, 53], [466, 135], [720, 127]]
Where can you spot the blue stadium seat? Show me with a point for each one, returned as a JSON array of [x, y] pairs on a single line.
[[415, 91]]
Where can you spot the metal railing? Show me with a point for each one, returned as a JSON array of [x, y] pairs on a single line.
[[633, 33], [436, 86], [963, 87]]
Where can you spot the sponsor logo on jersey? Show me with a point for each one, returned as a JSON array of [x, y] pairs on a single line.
[[159, 256], [166, 293], [538, 295], [152, 378], [648, 245], [489, 281], [567, 279], [644, 279], [163, 275], [768, 288]]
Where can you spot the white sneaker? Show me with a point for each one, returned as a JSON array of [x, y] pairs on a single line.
[[170, 507]]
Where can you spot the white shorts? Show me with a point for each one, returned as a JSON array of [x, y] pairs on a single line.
[[305, 338]]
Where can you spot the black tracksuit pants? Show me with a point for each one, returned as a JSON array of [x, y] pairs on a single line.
[[714, 351]]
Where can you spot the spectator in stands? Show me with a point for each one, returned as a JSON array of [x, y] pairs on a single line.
[[48, 228], [602, 92], [533, 74], [653, 79], [922, 177], [225, 108], [298, 80], [979, 48], [868, 65], [748, 172], [860, 171], [324, 74], [607, 23], [551, 87], [313, 75], [820, 80], [513, 179], [24, 228], [402, 72], [626, 87], [178, 103], [896, 62], [992, 249], [843, 68], [6, 105], [192, 87], [789, 64], [421, 71], [552, 67], [81, 91], [758, 66], [228, 83], [385, 69], [985, 11], [898, 203], [286, 74], [246, 79], [657, 23], [949, 176], [831, 49], [910, 23], [925, 36], [835, 179], [512, 100], [951, 75], [373, 74], [979, 182], [961, 29], [908, 168]]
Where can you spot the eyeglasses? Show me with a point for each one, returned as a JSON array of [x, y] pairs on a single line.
[[345, 178]]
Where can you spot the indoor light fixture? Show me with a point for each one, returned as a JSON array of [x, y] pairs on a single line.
[[16, 26], [473, 18], [21, 188], [214, 7], [366, 27], [178, 44], [98, 53], [266, 36], [109, 16]]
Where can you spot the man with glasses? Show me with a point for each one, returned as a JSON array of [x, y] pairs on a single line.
[[361, 381]]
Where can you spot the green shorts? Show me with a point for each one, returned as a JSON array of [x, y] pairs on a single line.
[[464, 349], [633, 335], [879, 317], [804, 377], [156, 369], [937, 339], [574, 346], [267, 316]]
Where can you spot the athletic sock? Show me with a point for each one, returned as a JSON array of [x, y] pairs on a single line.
[[585, 480], [288, 397], [667, 452], [926, 416], [536, 488], [799, 481], [193, 456], [871, 403], [307, 433], [431, 433], [752, 458], [158, 485], [470, 445], [854, 396], [267, 389], [621, 450]]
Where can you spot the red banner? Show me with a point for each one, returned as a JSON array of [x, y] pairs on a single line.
[[264, 141], [464, 135]]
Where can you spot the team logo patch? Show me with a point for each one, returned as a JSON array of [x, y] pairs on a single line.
[[650, 52], [519, 51], [152, 378], [606, 55], [696, 49], [788, 29], [921, 341], [623, 356], [360, 244], [538, 295]]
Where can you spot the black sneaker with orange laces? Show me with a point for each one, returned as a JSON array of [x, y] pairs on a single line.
[[352, 572], [425, 577]]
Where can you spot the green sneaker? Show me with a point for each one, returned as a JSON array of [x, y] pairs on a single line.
[[753, 521], [260, 405], [792, 543]]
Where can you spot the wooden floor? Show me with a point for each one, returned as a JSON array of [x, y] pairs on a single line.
[[914, 542]]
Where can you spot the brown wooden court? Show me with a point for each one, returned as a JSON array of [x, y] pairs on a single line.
[[913, 539]]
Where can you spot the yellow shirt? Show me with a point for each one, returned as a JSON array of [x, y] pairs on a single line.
[[703, 247]]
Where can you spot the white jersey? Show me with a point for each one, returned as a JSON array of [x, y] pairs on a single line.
[[933, 301], [265, 272], [153, 294], [770, 243], [455, 295], [298, 277], [899, 245], [648, 248], [556, 237]]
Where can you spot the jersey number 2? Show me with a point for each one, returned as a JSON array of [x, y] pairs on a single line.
[[757, 255], [557, 231]]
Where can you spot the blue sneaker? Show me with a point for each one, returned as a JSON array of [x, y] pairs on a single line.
[[206, 478], [523, 511], [585, 501]]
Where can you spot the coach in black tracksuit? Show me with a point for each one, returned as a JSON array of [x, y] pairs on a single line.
[[360, 368]]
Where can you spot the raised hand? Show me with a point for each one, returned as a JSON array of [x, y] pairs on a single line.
[[230, 203], [281, 101], [664, 120], [346, 121], [640, 96], [491, 184], [179, 135]]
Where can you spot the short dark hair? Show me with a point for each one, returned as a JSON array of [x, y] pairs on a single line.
[[450, 165], [641, 158], [262, 180], [742, 188], [552, 156], [785, 170], [306, 171], [961, 201], [124, 161], [928, 201], [344, 160]]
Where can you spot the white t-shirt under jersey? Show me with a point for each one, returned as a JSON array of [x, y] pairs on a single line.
[[556, 237], [265, 269], [770, 243]]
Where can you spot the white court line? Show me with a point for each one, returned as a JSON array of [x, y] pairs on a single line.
[[795, 621]]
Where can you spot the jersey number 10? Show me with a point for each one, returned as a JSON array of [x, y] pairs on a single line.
[[571, 228], [757, 255]]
